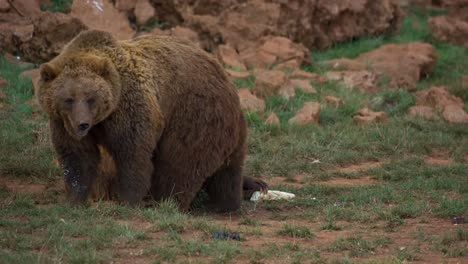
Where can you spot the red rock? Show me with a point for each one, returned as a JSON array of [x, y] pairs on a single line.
[[333, 100], [272, 120], [229, 58], [23, 33], [304, 85], [437, 97], [315, 24], [250, 102], [40, 38], [268, 83], [3, 82], [104, 16], [345, 64], [308, 114], [289, 66], [425, 112], [257, 59], [185, 33], [144, 12], [450, 30], [26, 8], [287, 91], [125, 5], [300, 74], [455, 114], [3, 96], [238, 75], [365, 81], [4, 6], [366, 115], [405, 64], [284, 49], [34, 76]]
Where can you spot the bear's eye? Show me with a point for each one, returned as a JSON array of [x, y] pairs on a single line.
[[69, 101], [91, 101]]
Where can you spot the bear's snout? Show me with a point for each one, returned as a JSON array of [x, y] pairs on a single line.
[[83, 127]]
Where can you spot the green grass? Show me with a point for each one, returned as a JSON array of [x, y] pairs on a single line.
[[62, 6], [407, 191]]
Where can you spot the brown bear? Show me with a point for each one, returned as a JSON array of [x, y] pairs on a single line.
[[162, 108]]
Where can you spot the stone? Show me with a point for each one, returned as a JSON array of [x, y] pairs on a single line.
[[333, 100], [455, 114], [268, 83], [272, 120], [405, 64], [300, 74], [437, 97], [304, 85], [366, 115], [449, 30], [125, 5], [364, 81], [238, 75], [144, 12], [34, 76], [345, 64], [39, 38], [4, 6], [185, 34], [308, 114], [3, 83], [229, 58], [26, 8], [425, 112], [249, 102], [102, 15], [287, 91]]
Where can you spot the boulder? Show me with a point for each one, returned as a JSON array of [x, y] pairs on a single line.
[[229, 58], [287, 91], [34, 76], [238, 75], [103, 16], [26, 8], [364, 81], [125, 5], [304, 85], [308, 114], [272, 120], [38, 38], [449, 30], [250, 102], [268, 83], [425, 112], [4, 6], [405, 64], [440, 100], [315, 24], [144, 12]]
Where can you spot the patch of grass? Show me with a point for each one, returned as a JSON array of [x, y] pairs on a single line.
[[166, 216], [296, 231], [455, 244], [63, 6], [357, 246], [331, 226], [393, 102]]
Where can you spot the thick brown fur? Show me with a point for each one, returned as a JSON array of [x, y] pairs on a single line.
[[161, 108]]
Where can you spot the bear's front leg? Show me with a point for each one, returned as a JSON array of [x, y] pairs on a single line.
[[79, 159], [132, 150]]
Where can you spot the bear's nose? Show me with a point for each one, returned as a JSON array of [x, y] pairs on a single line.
[[83, 126]]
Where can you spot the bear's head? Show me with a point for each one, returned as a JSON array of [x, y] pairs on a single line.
[[81, 90]]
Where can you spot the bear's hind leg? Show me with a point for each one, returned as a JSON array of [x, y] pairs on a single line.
[[224, 189]]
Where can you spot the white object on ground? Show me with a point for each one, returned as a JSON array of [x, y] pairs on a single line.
[[271, 195]]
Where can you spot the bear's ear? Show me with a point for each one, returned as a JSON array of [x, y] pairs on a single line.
[[103, 67], [48, 72]]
